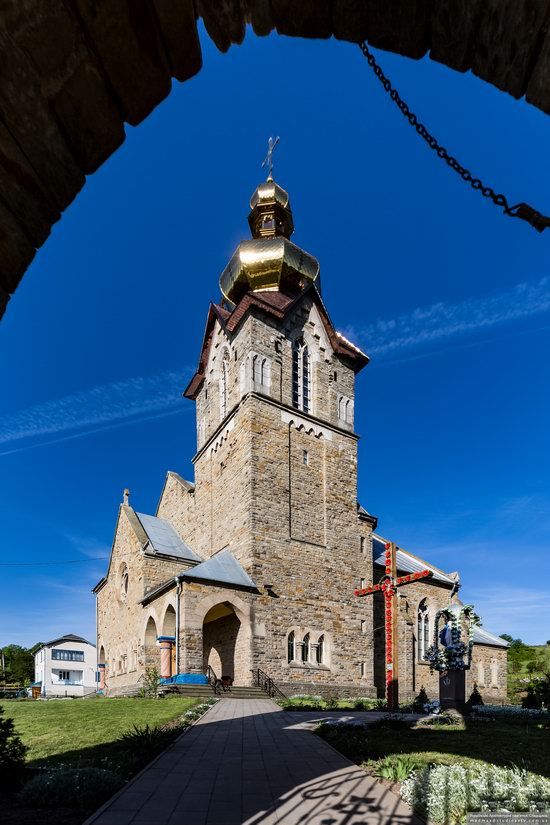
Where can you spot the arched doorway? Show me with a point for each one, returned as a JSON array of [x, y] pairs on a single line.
[[223, 640], [101, 669], [150, 649], [168, 642]]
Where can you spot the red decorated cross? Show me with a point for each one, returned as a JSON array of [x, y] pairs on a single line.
[[388, 586]]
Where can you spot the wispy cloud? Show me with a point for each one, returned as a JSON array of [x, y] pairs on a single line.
[[520, 611], [102, 407], [425, 325]]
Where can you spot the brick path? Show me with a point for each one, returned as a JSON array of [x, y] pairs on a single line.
[[249, 762]]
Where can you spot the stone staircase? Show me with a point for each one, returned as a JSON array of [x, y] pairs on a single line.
[[206, 692]]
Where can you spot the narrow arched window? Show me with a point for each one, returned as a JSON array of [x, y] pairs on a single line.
[[255, 375], [423, 633], [301, 376], [305, 380], [291, 649], [224, 384], [263, 371], [305, 648], [321, 650]]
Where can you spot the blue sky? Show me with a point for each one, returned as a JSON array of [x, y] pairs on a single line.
[[450, 298]]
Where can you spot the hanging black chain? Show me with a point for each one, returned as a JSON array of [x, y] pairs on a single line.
[[520, 210]]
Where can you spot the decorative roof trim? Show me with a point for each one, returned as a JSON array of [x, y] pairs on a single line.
[[230, 321]]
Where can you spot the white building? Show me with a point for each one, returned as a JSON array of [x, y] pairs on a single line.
[[65, 667]]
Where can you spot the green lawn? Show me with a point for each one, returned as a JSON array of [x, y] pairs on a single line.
[[501, 743], [81, 730]]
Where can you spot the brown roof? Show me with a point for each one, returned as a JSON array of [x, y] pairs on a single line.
[[277, 304]]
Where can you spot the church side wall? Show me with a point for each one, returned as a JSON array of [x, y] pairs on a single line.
[[122, 621], [490, 672]]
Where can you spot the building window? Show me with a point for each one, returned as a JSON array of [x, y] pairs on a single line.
[[64, 675], [306, 457], [335, 375], [423, 634], [321, 650], [363, 584], [305, 648], [291, 650], [124, 584], [363, 544], [363, 626], [68, 655], [345, 409], [363, 669], [224, 384], [301, 377]]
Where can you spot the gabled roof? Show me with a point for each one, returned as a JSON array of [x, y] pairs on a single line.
[[277, 304], [163, 539], [70, 637], [483, 637], [407, 562], [223, 568]]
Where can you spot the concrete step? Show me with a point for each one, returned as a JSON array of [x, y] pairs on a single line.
[[206, 691]]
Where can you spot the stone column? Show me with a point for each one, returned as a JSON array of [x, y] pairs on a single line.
[[101, 683], [165, 644]]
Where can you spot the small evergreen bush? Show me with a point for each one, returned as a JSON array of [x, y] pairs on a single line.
[[81, 788], [420, 700], [12, 753], [476, 699]]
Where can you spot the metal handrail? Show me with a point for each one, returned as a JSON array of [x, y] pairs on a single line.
[[211, 676], [265, 682]]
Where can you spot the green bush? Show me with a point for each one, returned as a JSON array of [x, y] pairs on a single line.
[[420, 700], [445, 793], [12, 753], [476, 699], [395, 768], [81, 788]]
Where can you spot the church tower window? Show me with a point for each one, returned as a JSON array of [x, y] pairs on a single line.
[[423, 634], [291, 653], [305, 648], [224, 384], [301, 377], [320, 650]]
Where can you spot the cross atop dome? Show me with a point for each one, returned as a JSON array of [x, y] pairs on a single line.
[[268, 160]]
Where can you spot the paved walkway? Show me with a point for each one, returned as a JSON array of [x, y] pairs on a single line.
[[247, 761]]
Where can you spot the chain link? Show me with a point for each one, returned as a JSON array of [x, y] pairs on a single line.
[[521, 210]]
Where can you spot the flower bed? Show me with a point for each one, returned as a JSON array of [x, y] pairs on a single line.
[[510, 711], [446, 793], [303, 701]]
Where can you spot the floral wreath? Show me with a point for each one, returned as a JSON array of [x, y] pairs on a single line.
[[458, 654]]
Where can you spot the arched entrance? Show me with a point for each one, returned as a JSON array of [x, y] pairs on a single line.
[[168, 643], [101, 669], [223, 643], [151, 651]]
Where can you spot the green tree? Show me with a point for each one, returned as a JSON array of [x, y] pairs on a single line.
[[507, 637], [18, 663]]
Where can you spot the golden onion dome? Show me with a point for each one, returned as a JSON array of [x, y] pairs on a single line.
[[270, 261]]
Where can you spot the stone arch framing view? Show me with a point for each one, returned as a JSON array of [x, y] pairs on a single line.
[[116, 64]]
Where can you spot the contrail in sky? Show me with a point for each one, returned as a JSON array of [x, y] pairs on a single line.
[[146, 397], [425, 325], [139, 398]]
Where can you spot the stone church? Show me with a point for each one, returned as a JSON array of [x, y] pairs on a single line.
[[253, 565]]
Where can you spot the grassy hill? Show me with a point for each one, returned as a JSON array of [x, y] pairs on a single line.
[[526, 662]]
